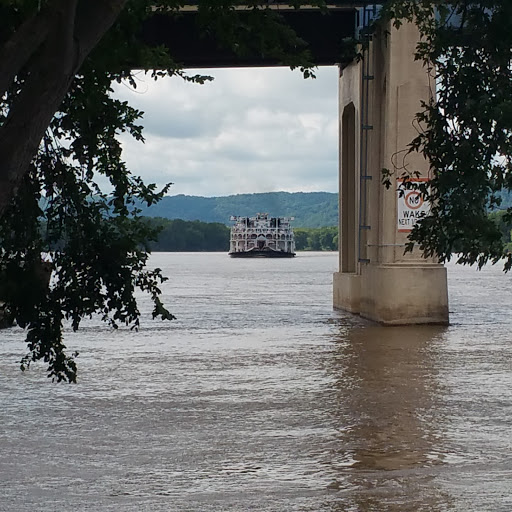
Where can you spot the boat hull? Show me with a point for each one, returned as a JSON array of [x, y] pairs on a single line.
[[261, 254]]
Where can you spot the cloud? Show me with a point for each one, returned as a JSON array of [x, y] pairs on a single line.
[[250, 130]]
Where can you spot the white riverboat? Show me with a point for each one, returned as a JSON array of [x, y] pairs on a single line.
[[262, 235]]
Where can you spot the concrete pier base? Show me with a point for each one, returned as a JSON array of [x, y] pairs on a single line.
[[379, 98], [395, 294]]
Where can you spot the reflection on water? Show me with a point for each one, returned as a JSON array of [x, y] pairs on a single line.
[[260, 397], [387, 386], [386, 394]]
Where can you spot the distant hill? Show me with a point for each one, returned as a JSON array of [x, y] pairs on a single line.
[[310, 209], [506, 199]]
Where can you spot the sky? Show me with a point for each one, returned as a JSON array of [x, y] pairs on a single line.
[[249, 130]]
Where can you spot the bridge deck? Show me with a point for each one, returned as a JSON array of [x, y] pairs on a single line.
[[324, 33]]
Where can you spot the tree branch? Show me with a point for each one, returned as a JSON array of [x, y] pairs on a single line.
[[25, 41], [77, 27], [94, 18]]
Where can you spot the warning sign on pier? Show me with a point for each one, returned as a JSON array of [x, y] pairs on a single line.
[[411, 206]]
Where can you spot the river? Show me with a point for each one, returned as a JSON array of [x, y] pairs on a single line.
[[261, 397]]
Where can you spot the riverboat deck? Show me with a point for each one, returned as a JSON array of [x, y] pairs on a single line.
[[262, 236]]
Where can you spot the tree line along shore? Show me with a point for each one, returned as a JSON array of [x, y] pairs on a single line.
[[176, 235]]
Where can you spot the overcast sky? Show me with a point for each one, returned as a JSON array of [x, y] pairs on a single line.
[[250, 130]]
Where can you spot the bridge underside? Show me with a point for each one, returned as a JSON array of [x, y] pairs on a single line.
[[324, 34]]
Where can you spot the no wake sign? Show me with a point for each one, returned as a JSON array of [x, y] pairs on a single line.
[[411, 206]]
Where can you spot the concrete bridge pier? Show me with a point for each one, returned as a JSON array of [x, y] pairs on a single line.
[[379, 97]]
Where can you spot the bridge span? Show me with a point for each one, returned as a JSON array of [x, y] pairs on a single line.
[[324, 32]]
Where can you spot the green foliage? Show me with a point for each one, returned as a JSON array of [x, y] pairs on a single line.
[[188, 236], [96, 245], [310, 209], [467, 126], [316, 239], [504, 224]]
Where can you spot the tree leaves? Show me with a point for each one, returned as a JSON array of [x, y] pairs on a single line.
[[468, 124], [60, 216]]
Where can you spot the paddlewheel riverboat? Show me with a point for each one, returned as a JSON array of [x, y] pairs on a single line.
[[262, 235]]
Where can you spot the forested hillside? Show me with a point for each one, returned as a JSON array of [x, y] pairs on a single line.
[[310, 209], [506, 199], [189, 236], [192, 223]]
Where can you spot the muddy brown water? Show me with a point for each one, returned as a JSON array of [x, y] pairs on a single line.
[[261, 397]]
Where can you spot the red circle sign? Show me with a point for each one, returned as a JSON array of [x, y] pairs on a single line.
[[413, 200]]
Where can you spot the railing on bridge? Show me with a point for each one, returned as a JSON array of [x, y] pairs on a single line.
[[332, 4]]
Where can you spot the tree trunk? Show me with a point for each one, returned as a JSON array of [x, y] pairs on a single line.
[[75, 27]]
